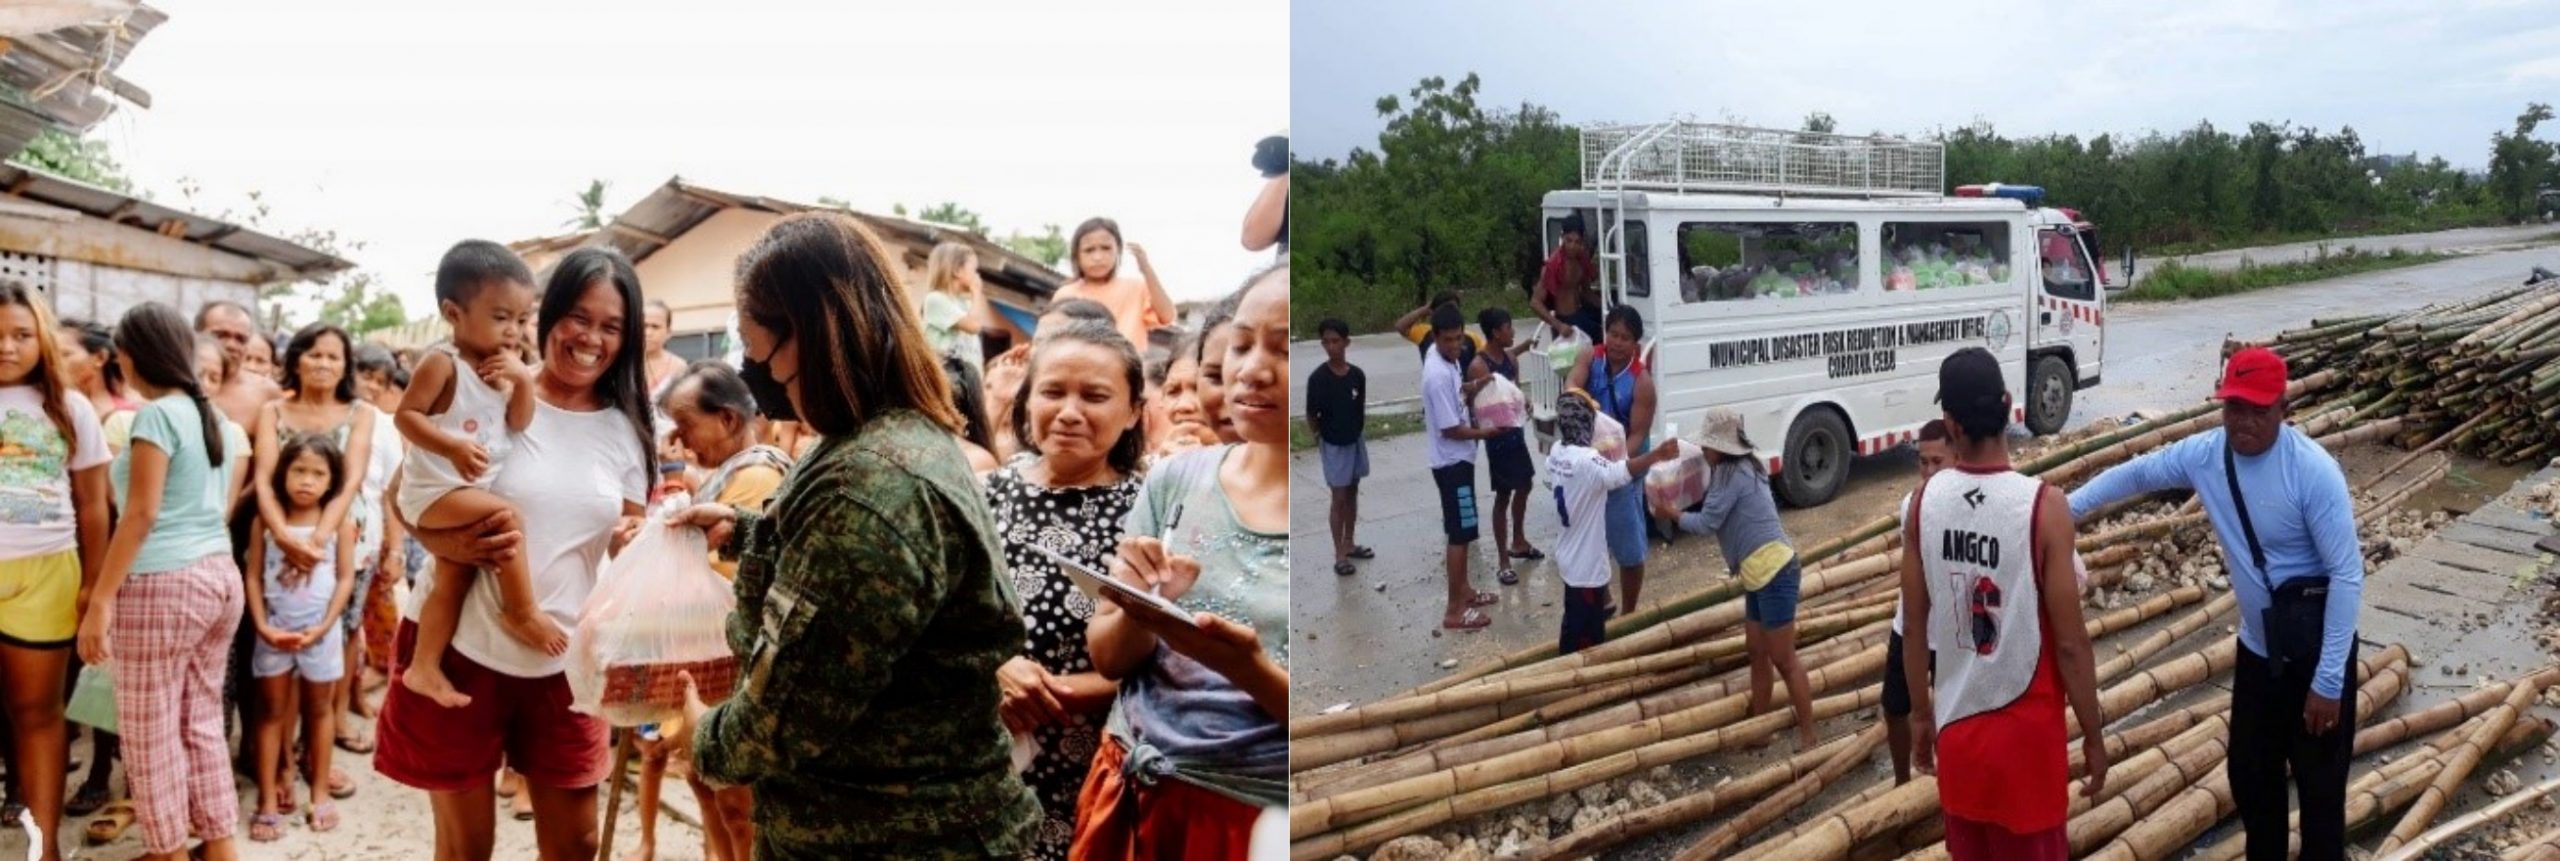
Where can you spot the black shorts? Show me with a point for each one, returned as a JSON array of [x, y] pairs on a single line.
[[1457, 501], [1897, 691], [1586, 618], [1507, 462]]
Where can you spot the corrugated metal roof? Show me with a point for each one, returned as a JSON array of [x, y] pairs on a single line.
[[288, 260], [57, 60], [679, 206]]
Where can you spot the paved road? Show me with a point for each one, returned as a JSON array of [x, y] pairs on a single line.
[[1394, 369], [1376, 632]]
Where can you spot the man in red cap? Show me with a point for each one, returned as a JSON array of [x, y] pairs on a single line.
[[2280, 506]]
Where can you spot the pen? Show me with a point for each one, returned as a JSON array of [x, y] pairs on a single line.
[[1171, 519]]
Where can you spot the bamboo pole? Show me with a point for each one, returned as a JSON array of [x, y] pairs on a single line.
[[2390, 787], [1690, 807], [1771, 809], [2541, 847], [2412, 457], [2431, 801], [2455, 828], [1549, 782]]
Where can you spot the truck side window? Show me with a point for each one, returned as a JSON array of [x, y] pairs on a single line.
[[1933, 255], [2067, 273], [1724, 261]]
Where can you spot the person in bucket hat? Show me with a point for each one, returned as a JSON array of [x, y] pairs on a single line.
[[1743, 516]]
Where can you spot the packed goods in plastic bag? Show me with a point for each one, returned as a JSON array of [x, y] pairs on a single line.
[[658, 611], [1567, 349], [93, 699], [1501, 404], [1680, 483], [1609, 437]]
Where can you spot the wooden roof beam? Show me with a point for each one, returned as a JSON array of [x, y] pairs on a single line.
[[653, 238], [70, 60]]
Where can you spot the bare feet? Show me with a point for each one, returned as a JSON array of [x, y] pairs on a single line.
[[427, 680], [537, 630], [643, 852], [1805, 741]]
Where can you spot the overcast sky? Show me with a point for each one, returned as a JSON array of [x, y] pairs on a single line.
[[411, 126], [2431, 76]]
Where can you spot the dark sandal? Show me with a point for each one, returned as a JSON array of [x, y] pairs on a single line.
[[1470, 620], [1344, 568], [341, 786], [362, 743], [1359, 552], [1508, 577], [87, 800], [1530, 554]]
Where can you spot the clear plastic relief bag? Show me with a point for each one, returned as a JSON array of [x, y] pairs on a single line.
[[658, 611]]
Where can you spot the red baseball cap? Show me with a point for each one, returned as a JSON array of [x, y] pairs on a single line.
[[2254, 376]]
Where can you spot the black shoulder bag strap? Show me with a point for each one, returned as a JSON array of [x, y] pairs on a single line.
[[2231, 474], [2295, 620]]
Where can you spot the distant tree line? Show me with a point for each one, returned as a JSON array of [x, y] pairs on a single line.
[[1449, 196]]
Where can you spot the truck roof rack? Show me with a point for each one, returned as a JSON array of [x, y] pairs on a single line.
[[1684, 156]]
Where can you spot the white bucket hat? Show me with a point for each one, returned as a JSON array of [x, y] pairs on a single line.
[[1721, 430]]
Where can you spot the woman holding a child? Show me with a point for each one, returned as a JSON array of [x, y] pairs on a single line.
[[872, 613], [583, 464]]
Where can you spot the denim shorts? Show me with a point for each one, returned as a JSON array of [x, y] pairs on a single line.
[[1625, 524], [1774, 605]]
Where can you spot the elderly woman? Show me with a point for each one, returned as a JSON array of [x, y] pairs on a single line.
[[1199, 745], [1080, 419], [580, 473], [872, 611]]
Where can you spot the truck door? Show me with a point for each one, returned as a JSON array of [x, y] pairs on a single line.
[[2070, 306]]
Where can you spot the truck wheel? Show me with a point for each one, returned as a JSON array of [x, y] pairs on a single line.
[[2049, 395], [1817, 458]]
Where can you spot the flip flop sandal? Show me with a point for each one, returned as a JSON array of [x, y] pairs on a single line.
[[1359, 552], [1508, 577], [87, 800], [1470, 620], [324, 817], [1345, 568], [341, 786], [1530, 554], [524, 813], [1484, 599], [266, 827], [361, 744], [113, 820]]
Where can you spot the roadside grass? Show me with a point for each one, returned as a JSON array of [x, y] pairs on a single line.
[[2170, 280], [1377, 427]]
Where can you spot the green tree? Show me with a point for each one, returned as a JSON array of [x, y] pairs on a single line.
[[1049, 246], [85, 159], [590, 206], [2519, 165], [952, 214]]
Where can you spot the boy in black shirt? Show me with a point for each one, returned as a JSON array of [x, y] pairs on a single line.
[[1337, 408]]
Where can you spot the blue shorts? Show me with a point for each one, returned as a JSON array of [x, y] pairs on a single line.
[[1774, 605], [1626, 525]]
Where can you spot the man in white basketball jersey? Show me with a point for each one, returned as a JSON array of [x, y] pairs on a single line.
[[1987, 584]]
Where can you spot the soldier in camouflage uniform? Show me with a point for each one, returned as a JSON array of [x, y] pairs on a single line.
[[873, 609]]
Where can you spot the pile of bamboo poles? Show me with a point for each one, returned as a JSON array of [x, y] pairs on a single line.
[[1506, 738], [2478, 374]]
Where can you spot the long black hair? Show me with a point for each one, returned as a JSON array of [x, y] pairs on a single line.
[[310, 337], [825, 281], [100, 341], [969, 397], [624, 386], [155, 339], [1129, 452]]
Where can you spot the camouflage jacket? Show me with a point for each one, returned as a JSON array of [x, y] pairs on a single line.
[[873, 611]]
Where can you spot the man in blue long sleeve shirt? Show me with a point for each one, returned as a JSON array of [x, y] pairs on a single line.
[[2304, 519]]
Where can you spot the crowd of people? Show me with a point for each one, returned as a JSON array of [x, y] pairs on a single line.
[[1988, 646], [247, 539]]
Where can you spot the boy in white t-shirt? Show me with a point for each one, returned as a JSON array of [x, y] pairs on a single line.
[[1583, 478]]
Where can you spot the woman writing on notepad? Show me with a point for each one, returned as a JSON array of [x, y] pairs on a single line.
[[1205, 706]]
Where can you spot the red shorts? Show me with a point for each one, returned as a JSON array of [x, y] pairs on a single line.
[[522, 723], [1969, 839]]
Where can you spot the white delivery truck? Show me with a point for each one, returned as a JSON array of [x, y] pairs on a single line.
[[1813, 283]]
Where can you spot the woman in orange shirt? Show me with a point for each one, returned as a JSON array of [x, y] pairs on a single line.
[[1138, 305]]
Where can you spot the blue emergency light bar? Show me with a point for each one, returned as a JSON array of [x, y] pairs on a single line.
[[2030, 194]]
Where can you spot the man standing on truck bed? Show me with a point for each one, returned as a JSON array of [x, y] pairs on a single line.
[[2280, 505], [1563, 295]]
